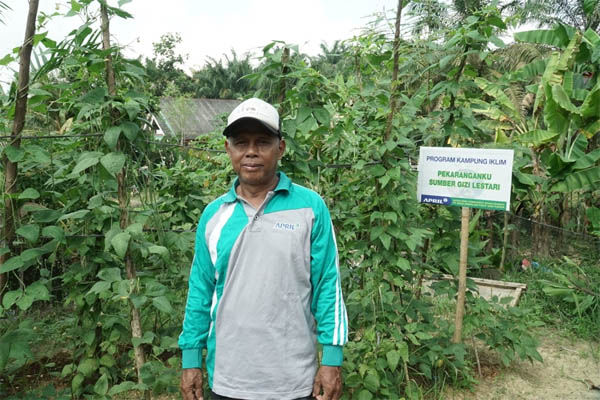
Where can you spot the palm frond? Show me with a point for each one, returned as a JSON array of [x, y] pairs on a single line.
[[3, 7]]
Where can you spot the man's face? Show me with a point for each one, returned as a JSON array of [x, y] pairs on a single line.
[[254, 155]]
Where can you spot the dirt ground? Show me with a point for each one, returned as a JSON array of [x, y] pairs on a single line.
[[569, 368]]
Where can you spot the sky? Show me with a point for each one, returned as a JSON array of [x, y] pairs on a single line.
[[210, 28]]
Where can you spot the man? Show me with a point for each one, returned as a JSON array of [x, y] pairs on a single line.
[[264, 284]]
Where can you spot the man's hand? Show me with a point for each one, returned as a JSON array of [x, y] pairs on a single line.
[[191, 384], [329, 381]]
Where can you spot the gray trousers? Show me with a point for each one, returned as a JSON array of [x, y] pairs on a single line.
[[215, 396]]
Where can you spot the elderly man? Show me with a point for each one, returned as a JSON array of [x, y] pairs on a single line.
[[264, 285]]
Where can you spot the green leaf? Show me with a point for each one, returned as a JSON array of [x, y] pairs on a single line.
[[562, 99], [591, 104], [386, 240], [11, 264], [543, 36], [133, 109], [496, 21], [364, 395], [101, 386], [87, 367], [77, 382], [593, 214], [393, 358], [161, 250], [122, 387], [403, 350], [46, 216], [592, 129], [94, 97], [110, 274], [120, 243], [111, 136], [162, 304], [536, 137], [322, 115], [30, 232], [38, 291], [525, 179], [371, 382], [14, 154], [113, 162], [10, 298], [107, 361], [135, 229], [31, 254], [74, 215], [403, 264], [85, 164], [148, 338], [7, 59], [54, 232], [352, 380], [29, 194], [555, 117], [100, 287], [130, 130], [589, 6], [584, 179], [25, 302], [138, 300], [378, 170], [38, 153], [444, 61]]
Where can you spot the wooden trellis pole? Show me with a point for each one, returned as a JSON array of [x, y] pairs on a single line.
[[11, 168], [135, 321], [462, 274]]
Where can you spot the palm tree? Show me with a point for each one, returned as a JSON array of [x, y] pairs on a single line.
[[3, 6], [580, 14]]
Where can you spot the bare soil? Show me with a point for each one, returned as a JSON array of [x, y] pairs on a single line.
[[569, 370]]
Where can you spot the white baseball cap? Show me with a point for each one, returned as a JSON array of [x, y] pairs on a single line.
[[253, 110]]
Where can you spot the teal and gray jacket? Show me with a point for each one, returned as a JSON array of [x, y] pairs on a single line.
[[264, 287]]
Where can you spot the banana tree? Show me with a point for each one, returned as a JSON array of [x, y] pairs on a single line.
[[558, 128]]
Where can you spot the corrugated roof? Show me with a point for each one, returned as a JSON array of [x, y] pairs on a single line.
[[192, 117]]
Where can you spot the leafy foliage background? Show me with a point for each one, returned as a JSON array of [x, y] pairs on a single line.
[[455, 88]]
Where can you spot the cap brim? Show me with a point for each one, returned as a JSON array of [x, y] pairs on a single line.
[[236, 126]]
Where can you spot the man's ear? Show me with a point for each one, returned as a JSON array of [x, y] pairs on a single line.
[[281, 148]]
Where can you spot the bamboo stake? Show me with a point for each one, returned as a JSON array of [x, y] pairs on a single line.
[[504, 241], [11, 168], [462, 274], [135, 321], [393, 94]]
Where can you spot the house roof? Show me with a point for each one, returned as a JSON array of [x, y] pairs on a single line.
[[192, 117]]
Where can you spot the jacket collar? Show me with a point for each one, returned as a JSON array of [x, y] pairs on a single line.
[[283, 185]]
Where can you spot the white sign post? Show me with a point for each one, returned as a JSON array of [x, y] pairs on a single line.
[[474, 178], [467, 178]]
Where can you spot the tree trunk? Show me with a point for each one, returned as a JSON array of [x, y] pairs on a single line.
[[394, 89], [136, 326], [11, 168]]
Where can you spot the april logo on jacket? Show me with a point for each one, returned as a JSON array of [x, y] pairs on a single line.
[[284, 226]]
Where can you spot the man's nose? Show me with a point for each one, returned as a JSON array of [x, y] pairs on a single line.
[[252, 150]]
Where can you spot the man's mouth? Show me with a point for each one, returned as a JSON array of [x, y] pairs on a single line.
[[251, 167]]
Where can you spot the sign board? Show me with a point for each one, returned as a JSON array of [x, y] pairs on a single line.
[[464, 177]]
